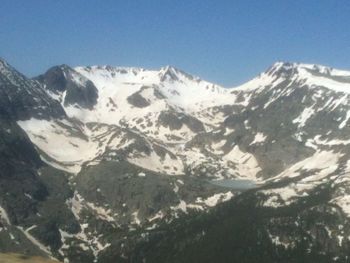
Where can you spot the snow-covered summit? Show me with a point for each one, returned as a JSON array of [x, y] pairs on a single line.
[[170, 73], [134, 75], [138, 148], [177, 88], [311, 75], [280, 67]]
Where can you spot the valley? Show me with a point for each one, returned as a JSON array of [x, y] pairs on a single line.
[[112, 164]]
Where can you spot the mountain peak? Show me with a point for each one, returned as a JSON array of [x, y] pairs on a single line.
[[169, 68], [168, 73], [2, 61], [171, 73], [4, 66], [312, 75], [281, 69], [287, 69], [69, 86]]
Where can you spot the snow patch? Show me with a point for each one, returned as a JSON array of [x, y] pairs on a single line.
[[4, 216], [259, 138], [246, 164], [215, 199]]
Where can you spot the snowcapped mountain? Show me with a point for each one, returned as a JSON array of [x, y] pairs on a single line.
[[157, 107], [125, 150]]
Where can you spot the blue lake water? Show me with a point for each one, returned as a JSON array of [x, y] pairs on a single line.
[[235, 184]]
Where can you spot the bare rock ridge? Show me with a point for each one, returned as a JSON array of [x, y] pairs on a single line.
[[69, 86]]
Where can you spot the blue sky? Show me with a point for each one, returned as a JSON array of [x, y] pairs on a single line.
[[227, 41]]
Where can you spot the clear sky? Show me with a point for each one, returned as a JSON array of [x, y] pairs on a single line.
[[223, 41]]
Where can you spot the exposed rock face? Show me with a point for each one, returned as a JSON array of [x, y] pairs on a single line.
[[176, 121], [137, 100], [22, 98], [32, 195], [73, 88]]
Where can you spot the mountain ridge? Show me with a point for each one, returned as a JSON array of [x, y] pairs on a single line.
[[126, 153]]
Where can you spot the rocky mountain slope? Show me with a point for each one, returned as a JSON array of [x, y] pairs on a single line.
[[103, 163]]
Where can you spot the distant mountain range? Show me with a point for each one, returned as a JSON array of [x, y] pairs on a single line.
[[112, 164]]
